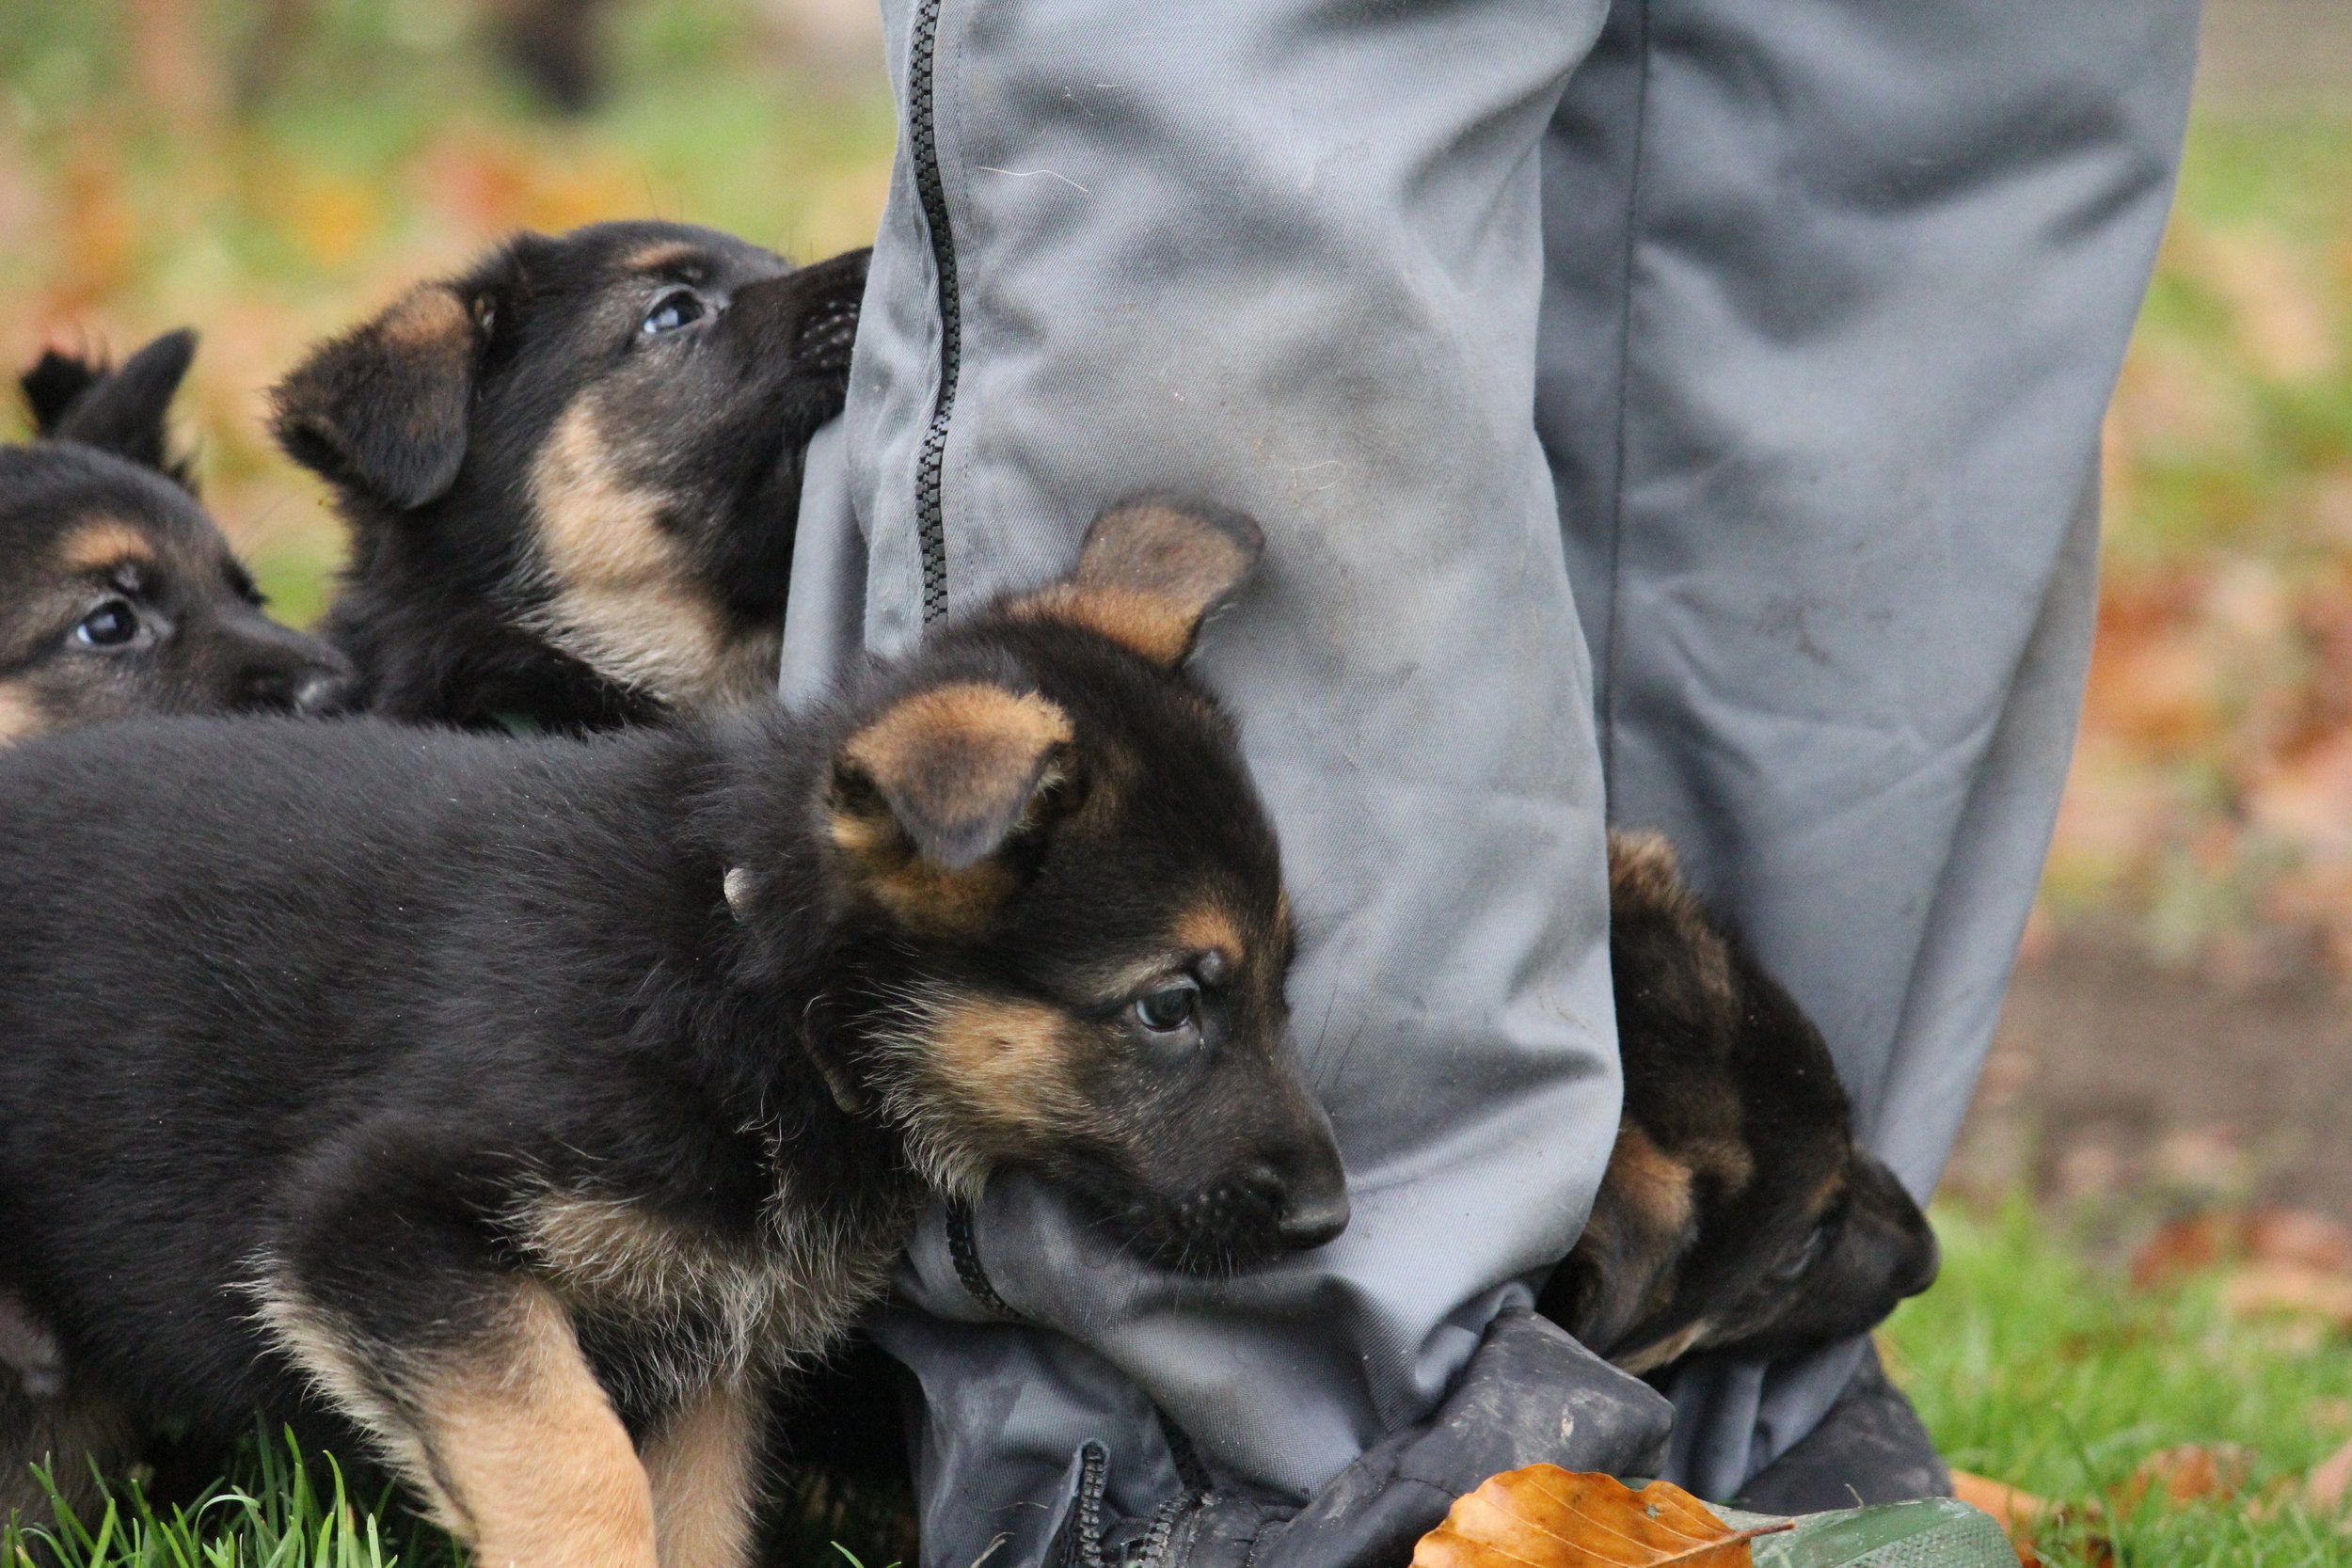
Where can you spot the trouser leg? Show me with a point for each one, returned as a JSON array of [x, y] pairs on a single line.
[[1836, 295], [1287, 257]]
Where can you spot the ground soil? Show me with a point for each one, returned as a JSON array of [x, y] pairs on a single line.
[[2111, 1076]]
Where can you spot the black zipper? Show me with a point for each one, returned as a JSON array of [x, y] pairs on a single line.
[[923, 148]]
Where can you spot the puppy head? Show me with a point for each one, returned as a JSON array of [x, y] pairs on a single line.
[[588, 446], [1059, 928], [1737, 1214], [121, 597]]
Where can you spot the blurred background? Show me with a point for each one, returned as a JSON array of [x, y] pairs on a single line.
[[271, 170]]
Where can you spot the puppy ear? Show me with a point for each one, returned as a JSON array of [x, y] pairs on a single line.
[[52, 384], [119, 411], [1149, 571], [1624, 1268], [955, 768], [381, 409]]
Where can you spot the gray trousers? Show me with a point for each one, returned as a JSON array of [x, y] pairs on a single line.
[[1673, 414]]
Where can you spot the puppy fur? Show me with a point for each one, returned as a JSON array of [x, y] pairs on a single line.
[[570, 474], [522, 1104], [1737, 1214], [118, 595]]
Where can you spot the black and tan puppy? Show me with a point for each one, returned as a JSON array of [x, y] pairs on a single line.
[[118, 595], [1737, 1214], [571, 474], [529, 1101]]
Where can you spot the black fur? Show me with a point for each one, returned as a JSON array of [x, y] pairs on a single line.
[[118, 595], [1793, 1235], [432, 425], [316, 1013]]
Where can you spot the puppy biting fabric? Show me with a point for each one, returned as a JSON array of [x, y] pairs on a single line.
[[527, 1106]]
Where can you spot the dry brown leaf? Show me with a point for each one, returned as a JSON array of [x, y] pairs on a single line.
[[2294, 1288], [2026, 1519], [2017, 1513], [2300, 1237], [2187, 1473], [2183, 1246], [2324, 1487], [1543, 1517], [2195, 1242]]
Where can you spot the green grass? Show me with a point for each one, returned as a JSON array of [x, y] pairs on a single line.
[[278, 1510], [2031, 1363], [2042, 1369]]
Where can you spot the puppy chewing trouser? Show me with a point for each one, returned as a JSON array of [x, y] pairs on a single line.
[[1758, 351]]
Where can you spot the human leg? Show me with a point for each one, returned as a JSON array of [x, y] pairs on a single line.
[[1836, 294], [1285, 257]]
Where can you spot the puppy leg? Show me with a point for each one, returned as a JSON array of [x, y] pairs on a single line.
[[67, 1433], [703, 1464], [506, 1434]]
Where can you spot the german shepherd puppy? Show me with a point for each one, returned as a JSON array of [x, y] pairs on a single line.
[[571, 473], [118, 595], [529, 1103], [1737, 1214]]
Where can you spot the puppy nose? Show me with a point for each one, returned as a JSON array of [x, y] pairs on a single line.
[[1927, 1261], [1312, 1219]]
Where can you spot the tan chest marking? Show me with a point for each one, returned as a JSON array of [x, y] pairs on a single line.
[[723, 1306], [623, 596]]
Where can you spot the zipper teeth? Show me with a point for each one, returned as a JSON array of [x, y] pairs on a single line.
[[923, 141], [964, 1248], [1093, 1480]]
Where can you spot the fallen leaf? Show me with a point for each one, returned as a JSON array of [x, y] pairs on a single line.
[[2195, 1242], [2187, 1473], [1543, 1517], [2017, 1513], [2181, 1248], [2324, 1487], [2294, 1288], [2300, 1237], [2026, 1519]]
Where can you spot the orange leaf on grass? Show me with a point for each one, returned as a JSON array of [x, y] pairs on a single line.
[[2294, 1289], [2026, 1518], [1543, 1517], [2188, 1473], [2324, 1487]]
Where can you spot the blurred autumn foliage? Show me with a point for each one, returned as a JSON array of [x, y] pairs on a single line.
[[270, 170], [2208, 819]]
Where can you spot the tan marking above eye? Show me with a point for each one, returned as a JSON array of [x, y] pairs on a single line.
[[624, 597], [1210, 928], [664, 255], [104, 545]]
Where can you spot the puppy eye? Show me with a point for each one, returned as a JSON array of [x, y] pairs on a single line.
[[673, 310], [110, 626], [1165, 1012], [1808, 1252]]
